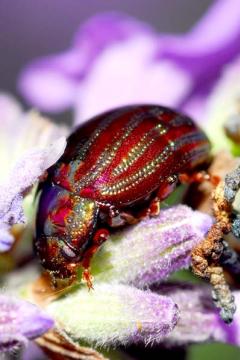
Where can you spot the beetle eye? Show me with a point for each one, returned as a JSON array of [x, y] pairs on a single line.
[[68, 253]]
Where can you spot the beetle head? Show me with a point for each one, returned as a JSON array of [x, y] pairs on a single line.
[[65, 227]]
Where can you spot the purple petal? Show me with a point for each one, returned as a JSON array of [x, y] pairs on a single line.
[[153, 249], [191, 64], [203, 37], [51, 82], [115, 315], [199, 320], [46, 86], [11, 212], [25, 173], [104, 30], [116, 60], [118, 76], [20, 321], [114, 27], [203, 52], [21, 131], [33, 352], [6, 239]]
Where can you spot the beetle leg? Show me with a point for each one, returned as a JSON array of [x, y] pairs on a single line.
[[152, 210], [199, 177], [87, 277], [118, 218], [99, 238], [129, 218], [163, 192]]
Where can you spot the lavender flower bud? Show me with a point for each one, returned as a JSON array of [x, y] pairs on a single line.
[[153, 249], [115, 315]]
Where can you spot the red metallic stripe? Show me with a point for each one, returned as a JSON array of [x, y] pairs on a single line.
[[134, 135], [154, 142], [173, 162], [103, 143], [153, 150], [103, 161]]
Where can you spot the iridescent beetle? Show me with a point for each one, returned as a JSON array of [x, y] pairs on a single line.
[[116, 169]]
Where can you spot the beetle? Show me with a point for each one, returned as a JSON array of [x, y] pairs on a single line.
[[116, 169]]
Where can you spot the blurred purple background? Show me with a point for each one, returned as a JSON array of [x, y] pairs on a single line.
[[29, 29]]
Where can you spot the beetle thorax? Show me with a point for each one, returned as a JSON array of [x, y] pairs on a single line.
[[65, 228]]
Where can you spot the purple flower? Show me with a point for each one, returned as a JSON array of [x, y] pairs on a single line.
[[152, 250], [116, 60], [199, 321], [24, 138], [114, 314], [120, 310], [20, 321]]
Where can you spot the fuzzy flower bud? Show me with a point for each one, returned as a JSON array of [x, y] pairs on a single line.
[[115, 315], [153, 249]]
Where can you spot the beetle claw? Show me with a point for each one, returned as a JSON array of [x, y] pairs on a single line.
[[154, 209], [88, 278]]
